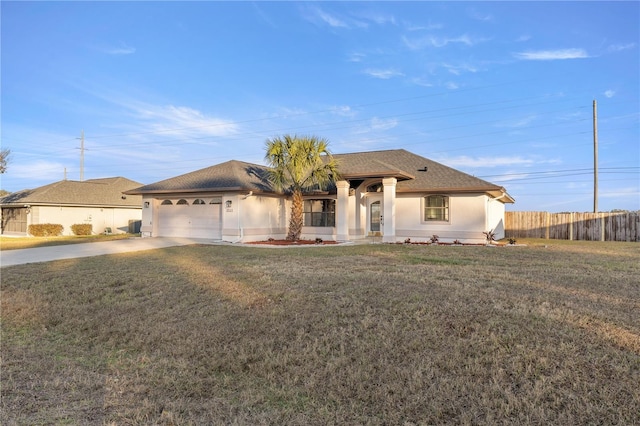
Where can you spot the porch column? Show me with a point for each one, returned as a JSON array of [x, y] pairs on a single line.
[[389, 214], [342, 211]]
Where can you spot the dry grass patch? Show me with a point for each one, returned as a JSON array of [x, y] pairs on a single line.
[[376, 334], [16, 243]]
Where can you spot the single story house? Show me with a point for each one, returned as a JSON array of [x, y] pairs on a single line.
[[391, 195], [99, 202]]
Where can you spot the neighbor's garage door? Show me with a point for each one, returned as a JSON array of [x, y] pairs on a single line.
[[190, 218], [14, 220]]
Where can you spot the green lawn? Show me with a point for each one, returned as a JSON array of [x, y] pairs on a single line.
[[547, 333]]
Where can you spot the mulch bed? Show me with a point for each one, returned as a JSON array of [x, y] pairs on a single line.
[[293, 243]]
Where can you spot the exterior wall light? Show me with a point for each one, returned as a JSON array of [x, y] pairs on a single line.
[[228, 204]]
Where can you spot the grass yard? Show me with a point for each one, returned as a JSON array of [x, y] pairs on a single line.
[[370, 334], [16, 243]]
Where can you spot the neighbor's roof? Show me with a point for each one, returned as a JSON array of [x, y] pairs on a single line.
[[414, 174], [107, 192]]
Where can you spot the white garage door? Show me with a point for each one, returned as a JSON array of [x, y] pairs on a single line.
[[190, 218]]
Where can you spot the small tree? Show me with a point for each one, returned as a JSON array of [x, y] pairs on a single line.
[[299, 164], [4, 159]]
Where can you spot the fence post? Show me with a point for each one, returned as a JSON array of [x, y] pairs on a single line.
[[602, 221], [570, 226], [547, 221]]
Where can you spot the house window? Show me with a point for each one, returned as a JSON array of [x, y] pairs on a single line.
[[198, 202], [167, 203], [436, 208], [216, 201], [319, 213], [182, 202]]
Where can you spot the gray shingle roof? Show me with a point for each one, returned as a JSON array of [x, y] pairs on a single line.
[[410, 171], [230, 176], [92, 192], [407, 167]]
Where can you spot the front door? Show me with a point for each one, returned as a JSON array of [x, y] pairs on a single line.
[[375, 217]]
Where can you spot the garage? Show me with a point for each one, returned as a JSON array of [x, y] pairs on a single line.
[[193, 218]]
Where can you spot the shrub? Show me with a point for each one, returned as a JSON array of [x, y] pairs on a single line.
[[82, 229], [46, 230], [490, 235]]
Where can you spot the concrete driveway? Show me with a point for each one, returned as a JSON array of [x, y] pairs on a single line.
[[71, 251]]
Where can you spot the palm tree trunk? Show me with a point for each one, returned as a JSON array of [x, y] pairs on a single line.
[[296, 220]]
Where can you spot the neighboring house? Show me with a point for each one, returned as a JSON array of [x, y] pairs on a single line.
[[100, 202], [390, 195]]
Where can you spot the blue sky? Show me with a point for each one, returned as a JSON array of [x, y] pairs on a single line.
[[500, 90]]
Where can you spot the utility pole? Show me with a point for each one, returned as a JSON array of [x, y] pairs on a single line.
[[81, 155], [595, 156]]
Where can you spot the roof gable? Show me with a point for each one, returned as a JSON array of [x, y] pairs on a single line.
[[414, 172]]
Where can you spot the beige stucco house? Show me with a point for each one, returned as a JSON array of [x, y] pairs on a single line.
[[388, 195], [99, 202]]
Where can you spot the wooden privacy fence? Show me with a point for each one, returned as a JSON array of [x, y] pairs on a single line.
[[623, 226]]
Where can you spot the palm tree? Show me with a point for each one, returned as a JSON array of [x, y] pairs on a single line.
[[299, 164]]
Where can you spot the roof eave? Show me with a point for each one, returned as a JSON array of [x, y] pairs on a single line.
[[188, 191], [497, 193], [373, 175]]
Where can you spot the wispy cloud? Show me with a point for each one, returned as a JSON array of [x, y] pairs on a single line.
[[383, 74], [331, 20], [480, 16], [517, 123], [459, 69], [343, 111], [478, 162], [609, 93], [429, 27], [180, 120], [41, 170], [263, 15], [438, 42], [620, 47], [621, 192], [356, 57], [378, 18], [376, 125], [123, 49], [421, 82], [320, 17], [551, 55]]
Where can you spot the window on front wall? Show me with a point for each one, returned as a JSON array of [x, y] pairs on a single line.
[[436, 208], [319, 213]]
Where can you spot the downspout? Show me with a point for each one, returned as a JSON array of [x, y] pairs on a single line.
[[240, 227]]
